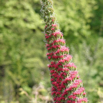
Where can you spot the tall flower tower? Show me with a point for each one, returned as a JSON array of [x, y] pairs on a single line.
[[67, 87]]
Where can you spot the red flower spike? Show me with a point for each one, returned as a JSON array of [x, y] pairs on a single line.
[[66, 85]]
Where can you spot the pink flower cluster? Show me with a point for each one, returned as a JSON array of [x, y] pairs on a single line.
[[54, 35], [66, 85], [81, 100]]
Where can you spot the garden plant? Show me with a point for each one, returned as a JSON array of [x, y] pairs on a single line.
[[67, 87]]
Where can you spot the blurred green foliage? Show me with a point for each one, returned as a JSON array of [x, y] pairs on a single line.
[[24, 76]]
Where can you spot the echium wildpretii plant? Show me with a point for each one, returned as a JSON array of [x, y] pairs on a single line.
[[66, 84]]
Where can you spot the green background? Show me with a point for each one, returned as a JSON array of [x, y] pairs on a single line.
[[24, 75]]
